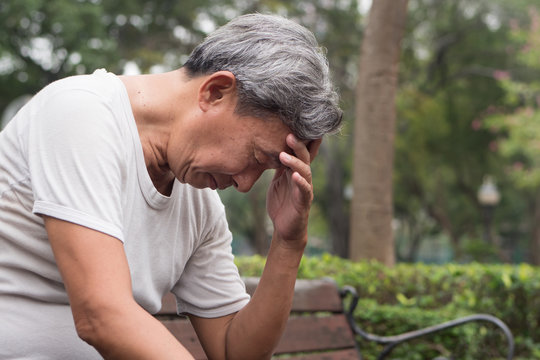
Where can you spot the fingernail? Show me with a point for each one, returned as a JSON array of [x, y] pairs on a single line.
[[286, 157]]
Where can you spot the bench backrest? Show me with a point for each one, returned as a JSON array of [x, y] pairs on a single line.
[[317, 328]]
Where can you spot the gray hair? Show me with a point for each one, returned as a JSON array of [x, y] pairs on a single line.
[[279, 68]]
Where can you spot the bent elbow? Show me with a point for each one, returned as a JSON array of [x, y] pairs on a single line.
[[94, 323], [89, 329], [86, 331]]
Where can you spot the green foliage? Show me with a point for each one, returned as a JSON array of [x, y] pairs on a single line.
[[44, 40], [409, 297], [479, 250], [518, 121], [447, 81], [449, 53], [515, 125]]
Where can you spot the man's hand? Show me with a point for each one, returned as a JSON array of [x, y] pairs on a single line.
[[291, 192]]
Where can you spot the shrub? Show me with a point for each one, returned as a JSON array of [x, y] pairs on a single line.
[[411, 296]]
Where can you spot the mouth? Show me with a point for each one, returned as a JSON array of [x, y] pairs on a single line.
[[213, 182], [223, 184]]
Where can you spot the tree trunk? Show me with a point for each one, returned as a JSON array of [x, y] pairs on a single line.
[[372, 205]]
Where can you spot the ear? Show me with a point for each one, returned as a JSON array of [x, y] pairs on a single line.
[[216, 89]]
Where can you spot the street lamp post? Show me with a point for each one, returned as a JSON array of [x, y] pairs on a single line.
[[488, 197]]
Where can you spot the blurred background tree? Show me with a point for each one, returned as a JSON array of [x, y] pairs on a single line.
[[44, 40], [516, 122], [450, 54], [374, 133], [461, 62]]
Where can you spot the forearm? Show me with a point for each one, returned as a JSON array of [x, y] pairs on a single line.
[[255, 331], [263, 320], [130, 333]]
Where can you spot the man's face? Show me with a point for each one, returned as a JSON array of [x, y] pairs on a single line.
[[234, 151]]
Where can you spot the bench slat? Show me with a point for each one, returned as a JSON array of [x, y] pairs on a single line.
[[309, 295], [314, 333], [302, 334]]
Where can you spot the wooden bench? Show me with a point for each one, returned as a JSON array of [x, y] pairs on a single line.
[[317, 323], [319, 328]]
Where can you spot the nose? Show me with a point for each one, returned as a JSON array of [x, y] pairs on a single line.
[[244, 181]]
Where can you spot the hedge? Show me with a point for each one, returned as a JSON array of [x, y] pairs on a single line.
[[411, 296]]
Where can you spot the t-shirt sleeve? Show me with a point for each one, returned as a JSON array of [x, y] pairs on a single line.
[[210, 285], [74, 157]]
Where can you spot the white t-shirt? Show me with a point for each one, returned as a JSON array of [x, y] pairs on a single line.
[[73, 152]]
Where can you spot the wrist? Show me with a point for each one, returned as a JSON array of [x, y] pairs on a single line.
[[286, 254], [296, 244]]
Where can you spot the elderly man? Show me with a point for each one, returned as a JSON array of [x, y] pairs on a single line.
[[107, 199]]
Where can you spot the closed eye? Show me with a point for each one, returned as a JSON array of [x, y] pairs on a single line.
[[267, 159]]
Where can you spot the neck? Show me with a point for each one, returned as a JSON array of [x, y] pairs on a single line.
[[157, 165], [154, 101]]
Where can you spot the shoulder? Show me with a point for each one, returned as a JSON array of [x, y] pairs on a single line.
[[100, 83], [81, 94], [82, 105]]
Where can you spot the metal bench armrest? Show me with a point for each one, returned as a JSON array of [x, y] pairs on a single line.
[[392, 341]]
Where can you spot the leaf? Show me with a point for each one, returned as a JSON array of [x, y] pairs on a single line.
[[403, 300]]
